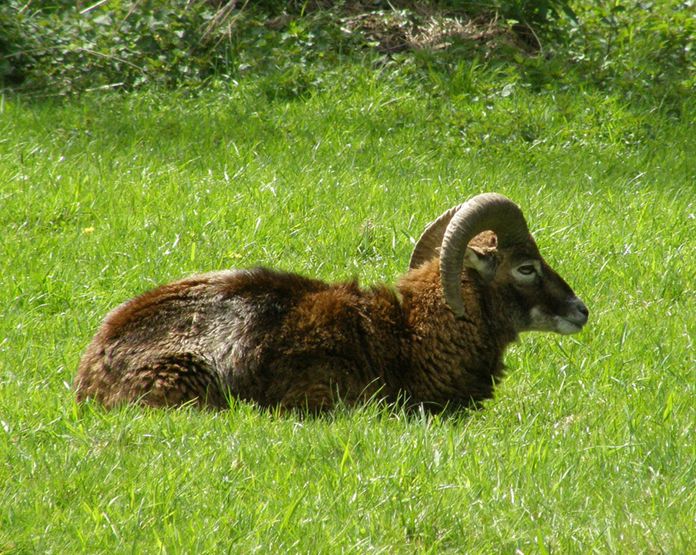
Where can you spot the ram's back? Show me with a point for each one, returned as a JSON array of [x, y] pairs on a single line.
[[270, 337], [187, 338]]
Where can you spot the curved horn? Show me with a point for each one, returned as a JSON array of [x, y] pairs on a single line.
[[428, 246], [489, 211]]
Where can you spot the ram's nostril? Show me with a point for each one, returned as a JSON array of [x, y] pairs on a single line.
[[581, 311]]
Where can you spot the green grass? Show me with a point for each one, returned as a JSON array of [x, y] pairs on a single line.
[[589, 443]]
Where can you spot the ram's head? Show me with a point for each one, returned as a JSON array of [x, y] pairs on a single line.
[[490, 235]]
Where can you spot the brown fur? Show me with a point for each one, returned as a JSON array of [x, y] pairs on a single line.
[[280, 339]]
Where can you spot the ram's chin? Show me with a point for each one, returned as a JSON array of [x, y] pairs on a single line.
[[565, 327], [540, 321]]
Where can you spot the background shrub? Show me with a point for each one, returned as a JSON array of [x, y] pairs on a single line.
[[60, 47], [641, 51]]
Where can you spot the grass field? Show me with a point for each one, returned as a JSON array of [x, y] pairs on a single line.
[[589, 443]]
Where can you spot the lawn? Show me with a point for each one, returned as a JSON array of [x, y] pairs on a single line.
[[588, 445]]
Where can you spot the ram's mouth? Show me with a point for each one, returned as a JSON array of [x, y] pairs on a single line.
[[576, 319], [565, 326]]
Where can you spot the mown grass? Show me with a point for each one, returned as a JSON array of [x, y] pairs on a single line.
[[588, 445]]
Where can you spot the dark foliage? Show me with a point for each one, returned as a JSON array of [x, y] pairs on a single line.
[[61, 46], [642, 50]]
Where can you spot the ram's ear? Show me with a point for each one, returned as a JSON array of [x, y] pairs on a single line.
[[483, 261]]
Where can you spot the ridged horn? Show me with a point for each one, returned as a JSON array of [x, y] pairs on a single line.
[[428, 246], [489, 211]]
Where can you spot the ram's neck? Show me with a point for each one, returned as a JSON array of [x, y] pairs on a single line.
[[452, 360]]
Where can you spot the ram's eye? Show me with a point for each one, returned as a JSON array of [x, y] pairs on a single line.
[[526, 270]]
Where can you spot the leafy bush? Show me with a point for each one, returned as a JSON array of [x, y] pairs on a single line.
[[17, 46], [60, 46], [639, 50], [128, 44], [534, 12]]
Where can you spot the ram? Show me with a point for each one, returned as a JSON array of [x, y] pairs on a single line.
[[435, 339]]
